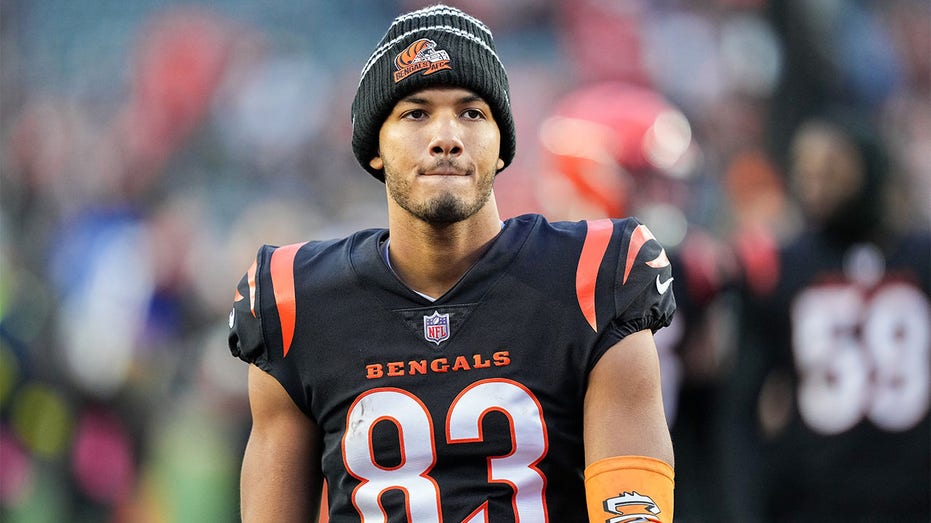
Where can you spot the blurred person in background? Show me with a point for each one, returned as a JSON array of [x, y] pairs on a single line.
[[454, 366], [826, 416]]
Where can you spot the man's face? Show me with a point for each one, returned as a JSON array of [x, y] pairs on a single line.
[[439, 149], [826, 171]]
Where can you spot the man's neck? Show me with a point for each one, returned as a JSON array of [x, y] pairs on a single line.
[[431, 258]]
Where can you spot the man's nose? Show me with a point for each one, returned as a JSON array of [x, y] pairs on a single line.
[[446, 140]]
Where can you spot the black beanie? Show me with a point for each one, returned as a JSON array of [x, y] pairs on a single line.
[[435, 46]]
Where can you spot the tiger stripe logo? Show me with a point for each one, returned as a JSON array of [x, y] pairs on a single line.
[[421, 55]]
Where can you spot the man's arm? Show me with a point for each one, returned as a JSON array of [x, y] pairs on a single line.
[[628, 450], [281, 479]]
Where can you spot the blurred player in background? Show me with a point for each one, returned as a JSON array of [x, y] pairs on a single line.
[[454, 366], [826, 416]]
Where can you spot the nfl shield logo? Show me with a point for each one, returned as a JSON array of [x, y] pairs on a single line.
[[436, 327]]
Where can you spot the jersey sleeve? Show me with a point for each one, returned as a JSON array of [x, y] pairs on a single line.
[[246, 340], [262, 316], [642, 286]]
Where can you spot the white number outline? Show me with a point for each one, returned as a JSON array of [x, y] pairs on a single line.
[[464, 425], [529, 440], [360, 461]]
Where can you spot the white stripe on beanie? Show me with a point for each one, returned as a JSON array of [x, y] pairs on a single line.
[[443, 10], [445, 28]]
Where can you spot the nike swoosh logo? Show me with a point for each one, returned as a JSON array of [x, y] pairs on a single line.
[[663, 286]]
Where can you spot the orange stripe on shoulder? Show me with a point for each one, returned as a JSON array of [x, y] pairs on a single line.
[[638, 238], [281, 267], [596, 242]]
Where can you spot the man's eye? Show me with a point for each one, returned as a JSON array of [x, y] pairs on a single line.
[[473, 114], [415, 114]]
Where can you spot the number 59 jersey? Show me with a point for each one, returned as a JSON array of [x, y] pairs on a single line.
[[841, 344], [466, 408]]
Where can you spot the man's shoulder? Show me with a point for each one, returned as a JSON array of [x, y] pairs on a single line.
[[540, 225], [312, 264], [575, 242], [322, 249]]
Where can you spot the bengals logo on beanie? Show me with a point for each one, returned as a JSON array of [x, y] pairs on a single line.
[[422, 55], [430, 47]]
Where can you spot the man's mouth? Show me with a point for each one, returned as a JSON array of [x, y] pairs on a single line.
[[445, 168], [445, 172]]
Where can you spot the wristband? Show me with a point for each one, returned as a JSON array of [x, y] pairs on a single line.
[[623, 488]]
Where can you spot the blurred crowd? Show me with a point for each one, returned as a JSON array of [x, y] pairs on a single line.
[[148, 147]]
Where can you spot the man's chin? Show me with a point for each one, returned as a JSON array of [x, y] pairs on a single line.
[[446, 213]]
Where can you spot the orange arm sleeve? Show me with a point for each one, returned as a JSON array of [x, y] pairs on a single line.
[[626, 486]]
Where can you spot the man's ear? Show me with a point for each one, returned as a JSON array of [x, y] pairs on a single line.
[[377, 163], [500, 164]]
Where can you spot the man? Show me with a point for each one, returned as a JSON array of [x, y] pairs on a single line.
[[827, 413], [453, 367]]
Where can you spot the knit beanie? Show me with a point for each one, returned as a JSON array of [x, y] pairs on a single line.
[[434, 46]]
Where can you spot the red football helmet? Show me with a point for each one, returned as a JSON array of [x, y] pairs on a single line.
[[599, 138]]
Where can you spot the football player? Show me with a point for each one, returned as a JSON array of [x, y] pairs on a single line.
[[454, 366], [827, 415]]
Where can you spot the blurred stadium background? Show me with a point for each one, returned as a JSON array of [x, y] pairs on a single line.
[[148, 147]]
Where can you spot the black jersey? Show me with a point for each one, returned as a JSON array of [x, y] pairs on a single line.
[[842, 340], [467, 408]]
